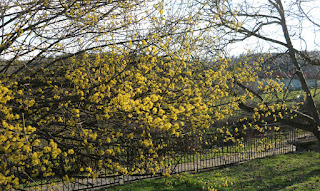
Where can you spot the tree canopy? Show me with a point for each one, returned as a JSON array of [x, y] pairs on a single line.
[[94, 80]]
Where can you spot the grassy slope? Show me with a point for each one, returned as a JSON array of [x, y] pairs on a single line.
[[297, 171]]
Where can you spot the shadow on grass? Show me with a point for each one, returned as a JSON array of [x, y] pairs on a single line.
[[280, 176], [163, 184]]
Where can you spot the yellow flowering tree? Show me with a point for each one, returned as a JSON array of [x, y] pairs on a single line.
[[98, 85]]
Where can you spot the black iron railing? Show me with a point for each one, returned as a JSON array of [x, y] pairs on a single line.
[[188, 152]]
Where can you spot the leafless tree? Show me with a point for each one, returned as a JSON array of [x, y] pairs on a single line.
[[280, 25]]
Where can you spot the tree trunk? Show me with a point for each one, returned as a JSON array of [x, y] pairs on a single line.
[[292, 53]]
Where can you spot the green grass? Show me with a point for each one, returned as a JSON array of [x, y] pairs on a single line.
[[296, 171], [291, 96]]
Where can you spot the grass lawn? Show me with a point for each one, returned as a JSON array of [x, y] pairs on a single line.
[[295, 171]]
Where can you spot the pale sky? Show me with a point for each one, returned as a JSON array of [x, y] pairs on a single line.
[[304, 34], [307, 31]]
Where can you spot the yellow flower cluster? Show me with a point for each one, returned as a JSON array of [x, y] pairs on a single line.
[[110, 102]]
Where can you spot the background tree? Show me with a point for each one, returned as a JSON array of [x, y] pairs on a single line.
[[279, 25]]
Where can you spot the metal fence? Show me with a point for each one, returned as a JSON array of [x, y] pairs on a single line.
[[193, 153]]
